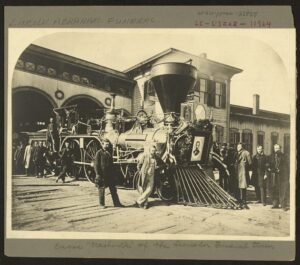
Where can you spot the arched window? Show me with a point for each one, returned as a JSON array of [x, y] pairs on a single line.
[[274, 140], [247, 139], [149, 91], [234, 137], [261, 138]]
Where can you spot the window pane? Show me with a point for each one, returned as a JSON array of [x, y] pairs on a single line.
[[218, 101], [234, 137], [247, 139], [218, 88], [203, 85], [202, 99], [274, 139], [260, 139]]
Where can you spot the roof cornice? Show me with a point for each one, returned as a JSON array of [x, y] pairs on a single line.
[[54, 55]]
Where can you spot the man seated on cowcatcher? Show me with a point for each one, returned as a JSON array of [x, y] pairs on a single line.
[[148, 167]]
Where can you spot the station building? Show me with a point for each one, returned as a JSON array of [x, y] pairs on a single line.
[[45, 79], [254, 126], [234, 124]]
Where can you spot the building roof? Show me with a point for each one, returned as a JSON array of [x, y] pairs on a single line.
[[246, 112], [35, 49], [152, 59]]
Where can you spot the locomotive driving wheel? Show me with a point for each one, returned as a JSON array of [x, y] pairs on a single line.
[[77, 169], [88, 157], [136, 180], [165, 187]]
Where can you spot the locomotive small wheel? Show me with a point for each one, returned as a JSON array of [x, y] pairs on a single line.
[[135, 181], [77, 170], [131, 173], [88, 157], [165, 189]]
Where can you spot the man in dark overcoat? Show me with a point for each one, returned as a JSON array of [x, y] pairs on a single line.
[[104, 169], [18, 158], [243, 163], [52, 134], [223, 176], [41, 159], [35, 152], [280, 178], [233, 182], [259, 174], [66, 158]]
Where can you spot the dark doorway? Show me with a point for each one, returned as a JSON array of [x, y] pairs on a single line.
[[87, 108], [31, 111]]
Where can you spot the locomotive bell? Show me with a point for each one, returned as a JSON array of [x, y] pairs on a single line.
[[172, 81]]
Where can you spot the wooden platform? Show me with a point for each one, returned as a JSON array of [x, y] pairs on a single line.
[[42, 205]]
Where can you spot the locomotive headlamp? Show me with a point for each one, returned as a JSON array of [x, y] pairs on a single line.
[[200, 112]]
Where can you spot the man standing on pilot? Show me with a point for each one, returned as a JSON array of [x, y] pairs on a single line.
[[147, 166]]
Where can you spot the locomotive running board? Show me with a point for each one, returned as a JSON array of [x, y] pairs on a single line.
[[195, 188]]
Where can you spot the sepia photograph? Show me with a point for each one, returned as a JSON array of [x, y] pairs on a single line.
[[179, 133]]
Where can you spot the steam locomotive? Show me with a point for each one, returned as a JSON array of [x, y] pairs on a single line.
[[184, 146]]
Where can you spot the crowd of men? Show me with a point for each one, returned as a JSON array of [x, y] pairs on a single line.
[[39, 160], [270, 174], [267, 172], [31, 159]]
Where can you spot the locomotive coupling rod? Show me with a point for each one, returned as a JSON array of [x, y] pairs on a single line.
[[84, 163]]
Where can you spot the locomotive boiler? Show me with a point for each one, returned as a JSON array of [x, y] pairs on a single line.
[[184, 146]]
